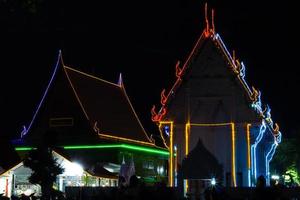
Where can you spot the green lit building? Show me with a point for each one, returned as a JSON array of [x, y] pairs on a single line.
[[90, 122]]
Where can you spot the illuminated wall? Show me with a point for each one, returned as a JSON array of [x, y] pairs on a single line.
[[211, 101]]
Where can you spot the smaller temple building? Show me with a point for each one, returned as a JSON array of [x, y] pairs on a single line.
[[93, 128]]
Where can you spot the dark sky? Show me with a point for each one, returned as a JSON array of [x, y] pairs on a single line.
[[143, 40]]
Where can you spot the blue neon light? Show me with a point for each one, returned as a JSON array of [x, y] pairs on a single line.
[[25, 131], [265, 114], [262, 130], [269, 157], [167, 130]]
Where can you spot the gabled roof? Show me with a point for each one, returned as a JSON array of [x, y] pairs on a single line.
[[105, 105], [238, 69]]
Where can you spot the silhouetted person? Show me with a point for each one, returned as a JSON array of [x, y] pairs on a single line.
[[261, 192], [134, 181], [122, 182]]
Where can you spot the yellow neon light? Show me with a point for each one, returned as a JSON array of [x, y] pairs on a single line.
[[124, 139], [248, 146], [232, 125], [123, 89], [187, 132], [171, 155], [73, 88], [137, 118], [233, 153], [91, 76], [161, 123], [171, 149]]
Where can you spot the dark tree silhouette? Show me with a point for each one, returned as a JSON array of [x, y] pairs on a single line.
[[45, 168]]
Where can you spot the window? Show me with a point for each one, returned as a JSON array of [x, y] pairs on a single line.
[[57, 122]]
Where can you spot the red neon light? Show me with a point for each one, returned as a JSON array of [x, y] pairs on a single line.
[[163, 98], [156, 117], [178, 69]]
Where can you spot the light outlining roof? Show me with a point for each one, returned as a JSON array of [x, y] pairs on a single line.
[[237, 67], [68, 71], [121, 87], [156, 150]]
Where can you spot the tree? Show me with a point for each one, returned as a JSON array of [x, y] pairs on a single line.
[[286, 160], [45, 169]]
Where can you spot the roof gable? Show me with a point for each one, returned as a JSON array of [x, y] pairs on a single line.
[[95, 107], [237, 68], [109, 111]]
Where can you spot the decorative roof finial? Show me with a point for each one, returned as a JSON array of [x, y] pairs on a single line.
[[163, 98], [120, 81], [213, 20], [178, 69], [206, 21]]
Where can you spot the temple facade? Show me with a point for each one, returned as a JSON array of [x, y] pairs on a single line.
[[211, 103]]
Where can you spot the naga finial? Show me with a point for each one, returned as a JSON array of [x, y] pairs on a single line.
[[163, 98], [178, 69]]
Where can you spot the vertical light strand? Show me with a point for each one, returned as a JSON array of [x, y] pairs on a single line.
[[170, 148], [248, 154], [171, 158], [233, 153], [187, 133]]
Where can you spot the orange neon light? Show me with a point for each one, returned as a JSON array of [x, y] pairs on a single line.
[[73, 88], [248, 146], [124, 139], [171, 149], [232, 126], [121, 86], [137, 118], [233, 153], [91, 76]]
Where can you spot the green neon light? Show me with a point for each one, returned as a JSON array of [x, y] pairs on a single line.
[[24, 148], [145, 149], [103, 146], [123, 146], [108, 146]]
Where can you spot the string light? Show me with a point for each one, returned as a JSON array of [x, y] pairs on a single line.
[[171, 149], [249, 154], [161, 151], [25, 131]]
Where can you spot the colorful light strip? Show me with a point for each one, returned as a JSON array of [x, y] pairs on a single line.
[[125, 139], [136, 116], [262, 130], [107, 146], [248, 153], [171, 149], [232, 126], [269, 157], [43, 97], [24, 148], [187, 139], [121, 86], [233, 153]]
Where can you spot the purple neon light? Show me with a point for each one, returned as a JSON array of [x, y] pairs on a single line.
[[25, 131]]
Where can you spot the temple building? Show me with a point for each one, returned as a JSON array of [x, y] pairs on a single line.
[[211, 104], [93, 128]]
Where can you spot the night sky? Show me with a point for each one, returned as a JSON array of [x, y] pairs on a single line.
[[143, 40]]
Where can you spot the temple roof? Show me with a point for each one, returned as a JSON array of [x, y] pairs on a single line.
[[234, 65], [105, 105]]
